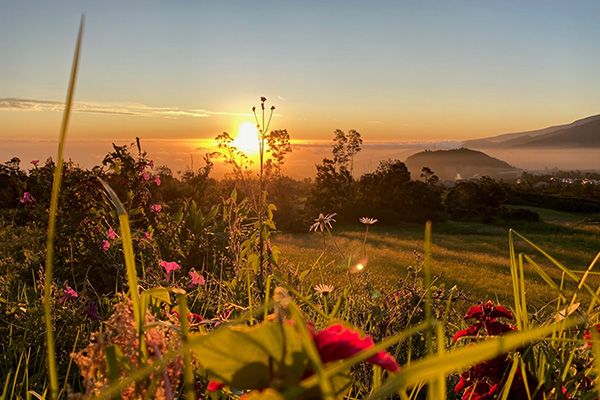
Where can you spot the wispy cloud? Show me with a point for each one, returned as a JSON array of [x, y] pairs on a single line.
[[374, 122], [134, 109]]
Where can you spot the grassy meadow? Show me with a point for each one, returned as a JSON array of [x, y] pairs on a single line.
[[472, 256]]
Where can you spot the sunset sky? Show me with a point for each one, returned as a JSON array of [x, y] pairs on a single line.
[[393, 70]]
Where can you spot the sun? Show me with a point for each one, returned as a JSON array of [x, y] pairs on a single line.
[[247, 139]]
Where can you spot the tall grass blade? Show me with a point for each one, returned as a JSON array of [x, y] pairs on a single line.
[[595, 296], [132, 281], [56, 182], [188, 371], [522, 294], [515, 280], [427, 282], [546, 277]]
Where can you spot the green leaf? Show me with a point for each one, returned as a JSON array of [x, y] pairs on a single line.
[[252, 357], [158, 294]]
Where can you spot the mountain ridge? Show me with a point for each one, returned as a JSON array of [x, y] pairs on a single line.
[[584, 132]]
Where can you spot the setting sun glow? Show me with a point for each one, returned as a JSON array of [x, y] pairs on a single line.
[[247, 139]]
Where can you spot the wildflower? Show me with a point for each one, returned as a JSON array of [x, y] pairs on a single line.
[[322, 222], [197, 279], [588, 335], [324, 289], [367, 220], [111, 234], [35, 162], [69, 292], [151, 164], [213, 386], [487, 314], [147, 236], [263, 99], [27, 198], [105, 245], [156, 208], [193, 318], [169, 267], [157, 180], [91, 311], [145, 176], [338, 342]]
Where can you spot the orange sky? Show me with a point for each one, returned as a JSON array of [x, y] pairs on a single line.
[[397, 71]]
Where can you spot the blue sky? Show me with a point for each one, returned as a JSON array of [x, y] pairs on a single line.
[[402, 70]]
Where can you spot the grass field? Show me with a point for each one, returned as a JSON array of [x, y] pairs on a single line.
[[473, 256]]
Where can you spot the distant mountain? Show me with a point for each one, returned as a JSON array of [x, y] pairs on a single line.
[[461, 163], [583, 133]]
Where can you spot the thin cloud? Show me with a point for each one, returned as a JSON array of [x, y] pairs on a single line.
[[374, 122], [133, 109]]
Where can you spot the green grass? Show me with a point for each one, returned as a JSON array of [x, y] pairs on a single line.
[[473, 256]]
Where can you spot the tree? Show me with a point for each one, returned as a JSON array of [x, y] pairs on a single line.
[[389, 194], [345, 147], [429, 176], [330, 191], [278, 142]]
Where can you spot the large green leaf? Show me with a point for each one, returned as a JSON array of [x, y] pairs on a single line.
[[242, 357]]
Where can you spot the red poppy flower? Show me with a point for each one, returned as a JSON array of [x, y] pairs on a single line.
[[213, 386], [338, 342]]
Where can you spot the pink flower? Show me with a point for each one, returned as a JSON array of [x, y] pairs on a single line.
[[27, 198], [146, 176], [151, 164], [338, 342], [69, 292], [197, 279], [35, 162], [105, 245], [169, 267], [111, 234], [157, 180], [156, 208], [147, 236]]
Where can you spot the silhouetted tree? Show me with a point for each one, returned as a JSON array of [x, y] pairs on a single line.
[[279, 146], [344, 149], [429, 176]]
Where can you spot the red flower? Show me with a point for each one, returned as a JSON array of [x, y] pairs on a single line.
[[213, 386], [193, 318], [588, 335], [487, 314], [338, 342], [480, 391], [487, 311], [472, 330]]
